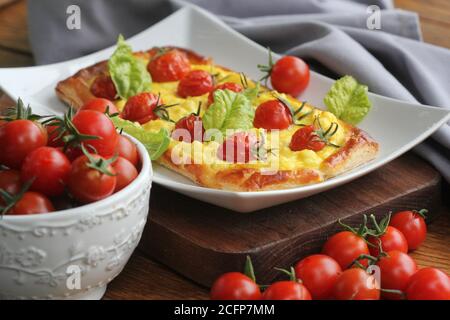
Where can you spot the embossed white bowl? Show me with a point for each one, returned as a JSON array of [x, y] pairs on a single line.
[[46, 256]]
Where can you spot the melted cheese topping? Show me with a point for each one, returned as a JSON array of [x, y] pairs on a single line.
[[281, 157]]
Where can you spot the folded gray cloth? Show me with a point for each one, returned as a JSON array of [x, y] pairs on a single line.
[[332, 35]]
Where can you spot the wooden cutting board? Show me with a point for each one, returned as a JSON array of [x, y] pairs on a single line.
[[202, 241]]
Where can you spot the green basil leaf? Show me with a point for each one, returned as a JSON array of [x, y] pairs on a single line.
[[156, 143], [230, 110], [348, 100], [129, 73]]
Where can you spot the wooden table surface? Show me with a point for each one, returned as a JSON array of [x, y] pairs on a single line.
[[143, 278]]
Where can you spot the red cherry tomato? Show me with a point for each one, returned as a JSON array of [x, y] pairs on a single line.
[[306, 138], [235, 87], [103, 87], [345, 247], [356, 284], [272, 114], [318, 273], [17, 139], [141, 107], [392, 239], [194, 126], [101, 105], [412, 225], [54, 136], [49, 168], [290, 75], [128, 150], [396, 269], [31, 203], [126, 172], [235, 286], [90, 122], [170, 66], [10, 181], [429, 284], [195, 83], [286, 290], [239, 148], [87, 184]]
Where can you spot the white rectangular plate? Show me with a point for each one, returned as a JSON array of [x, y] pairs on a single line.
[[397, 126]]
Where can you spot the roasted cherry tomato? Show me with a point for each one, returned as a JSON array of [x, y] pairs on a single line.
[[412, 225], [235, 286], [272, 114], [195, 83], [288, 75], [392, 239], [429, 284], [286, 290], [101, 105], [235, 87], [17, 139], [396, 269], [306, 138], [318, 273], [345, 247], [128, 150], [194, 129], [356, 284], [87, 184], [10, 181], [103, 87], [169, 66], [49, 168], [126, 172], [90, 122], [141, 107], [239, 148], [31, 203]]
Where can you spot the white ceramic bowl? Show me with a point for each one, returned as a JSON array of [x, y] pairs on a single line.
[[43, 256]]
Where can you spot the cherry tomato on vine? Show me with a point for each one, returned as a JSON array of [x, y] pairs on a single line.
[[272, 114], [232, 86], [140, 108], [392, 239], [128, 150], [101, 105], [126, 172], [429, 284], [396, 269], [239, 148], [345, 247], [88, 184], [195, 83], [31, 203], [306, 138], [318, 273], [17, 139], [169, 66], [412, 225], [54, 136], [286, 290], [94, 123], [103, 87], [10, 181], [356, 284], [49, 168], [235, 286], [194, 126]]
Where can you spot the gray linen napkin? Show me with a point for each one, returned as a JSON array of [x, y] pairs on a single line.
[[333, 35]]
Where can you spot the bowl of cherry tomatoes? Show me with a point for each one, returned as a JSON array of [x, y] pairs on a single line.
[[74, 200]]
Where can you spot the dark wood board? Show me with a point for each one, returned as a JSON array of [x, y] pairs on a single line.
[[201, 241]]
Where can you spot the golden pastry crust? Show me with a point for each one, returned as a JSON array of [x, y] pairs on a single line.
[[358, 149]]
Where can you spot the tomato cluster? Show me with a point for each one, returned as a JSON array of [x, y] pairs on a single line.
[[344, 268], [58, 163]]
